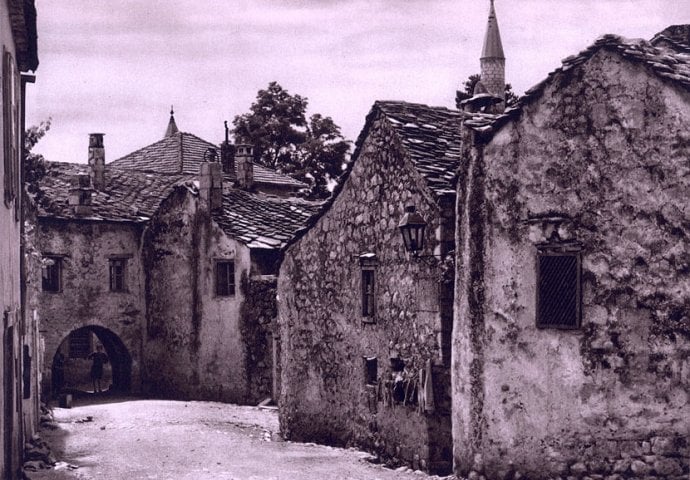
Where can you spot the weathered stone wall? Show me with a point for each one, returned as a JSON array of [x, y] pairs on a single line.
[[607, 146], [324, 337], [196, 343], [257, 322], [85, 299]]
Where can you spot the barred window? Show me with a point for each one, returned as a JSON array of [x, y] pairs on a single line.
[[80, 343], [225, 278], [368, 305], [558, 290]]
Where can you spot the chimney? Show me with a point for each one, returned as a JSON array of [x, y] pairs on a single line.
[[227, 156], [244, 158], [80, 194], [97, 160], [211, 181]]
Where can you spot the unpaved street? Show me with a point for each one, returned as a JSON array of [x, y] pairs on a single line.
[[159, 439]]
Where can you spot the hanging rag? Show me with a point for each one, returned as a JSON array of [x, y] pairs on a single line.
[[428, 389]]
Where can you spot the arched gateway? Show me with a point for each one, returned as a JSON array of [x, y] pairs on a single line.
[[69, 365]]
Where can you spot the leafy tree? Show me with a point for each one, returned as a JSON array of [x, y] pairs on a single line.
[[34, 164], [311, 150], [460, 95]]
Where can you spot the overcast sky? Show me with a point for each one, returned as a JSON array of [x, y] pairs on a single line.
[[117, 66]]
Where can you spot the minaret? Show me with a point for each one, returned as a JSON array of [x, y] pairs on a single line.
[[172, 126], [493, 61]]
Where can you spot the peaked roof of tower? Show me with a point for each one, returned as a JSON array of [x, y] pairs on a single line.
[[183, 152], [493, 48], [172, 126]]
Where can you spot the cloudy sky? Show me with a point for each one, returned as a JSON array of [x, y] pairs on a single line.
[[117, 66]]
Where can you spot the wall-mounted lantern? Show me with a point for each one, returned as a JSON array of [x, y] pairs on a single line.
[[210, 155], [412, 226]]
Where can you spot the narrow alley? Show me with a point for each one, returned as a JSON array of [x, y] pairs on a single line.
[[161, 439]]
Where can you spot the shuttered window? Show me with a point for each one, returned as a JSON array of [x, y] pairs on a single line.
[[558, 290], [10, 126]]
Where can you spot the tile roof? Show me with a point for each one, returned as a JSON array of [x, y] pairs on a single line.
[[676, 36], [431, 137], [669, 64], [128, 195], [182, 152], [264, 221], [255, 219]]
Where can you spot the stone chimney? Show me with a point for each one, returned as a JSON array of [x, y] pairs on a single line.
[[244, 158], [97, 160], [80, 194], [493, 62], [211, 181], [227, 155]]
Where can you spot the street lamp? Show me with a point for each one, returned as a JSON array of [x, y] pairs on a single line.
[[412, 226]]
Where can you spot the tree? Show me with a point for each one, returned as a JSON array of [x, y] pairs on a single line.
[[34, 163], [311, 150], [511, 97]]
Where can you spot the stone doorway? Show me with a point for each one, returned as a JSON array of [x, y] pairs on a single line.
[[71, 365]]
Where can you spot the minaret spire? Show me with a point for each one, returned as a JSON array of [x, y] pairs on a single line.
[[493, 60], [172, 126]]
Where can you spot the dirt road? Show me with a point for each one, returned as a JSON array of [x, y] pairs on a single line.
[[158, 439]]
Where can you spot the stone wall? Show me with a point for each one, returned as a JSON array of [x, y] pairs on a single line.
[[197, 342], [604, 148], [325, 338], [85, 299], [256, 327]]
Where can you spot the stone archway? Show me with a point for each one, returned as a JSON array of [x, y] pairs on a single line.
[[118, 355]]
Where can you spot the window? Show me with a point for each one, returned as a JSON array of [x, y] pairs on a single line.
[[368, 263], [368, 293], [558, 289], [52, 274], [117, 274], [225, 278], [80, 344], [10, 121], [371, 370]]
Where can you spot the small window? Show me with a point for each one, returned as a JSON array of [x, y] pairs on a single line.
[[80, 344], [118, 268], [225, 278], [52, 274], [558, 290], [368, 305], [371, 370]]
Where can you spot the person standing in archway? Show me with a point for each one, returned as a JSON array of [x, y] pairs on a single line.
[[58, 373], [98, 359]]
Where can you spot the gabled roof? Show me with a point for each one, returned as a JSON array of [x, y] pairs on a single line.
[[431, 138], [669, 64], [128, 195], [263, 221], [258, 220], [183, 152]]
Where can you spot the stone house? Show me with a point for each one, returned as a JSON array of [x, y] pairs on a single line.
[[19, 346], [570, 334], [571, 340], [137, 259]]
